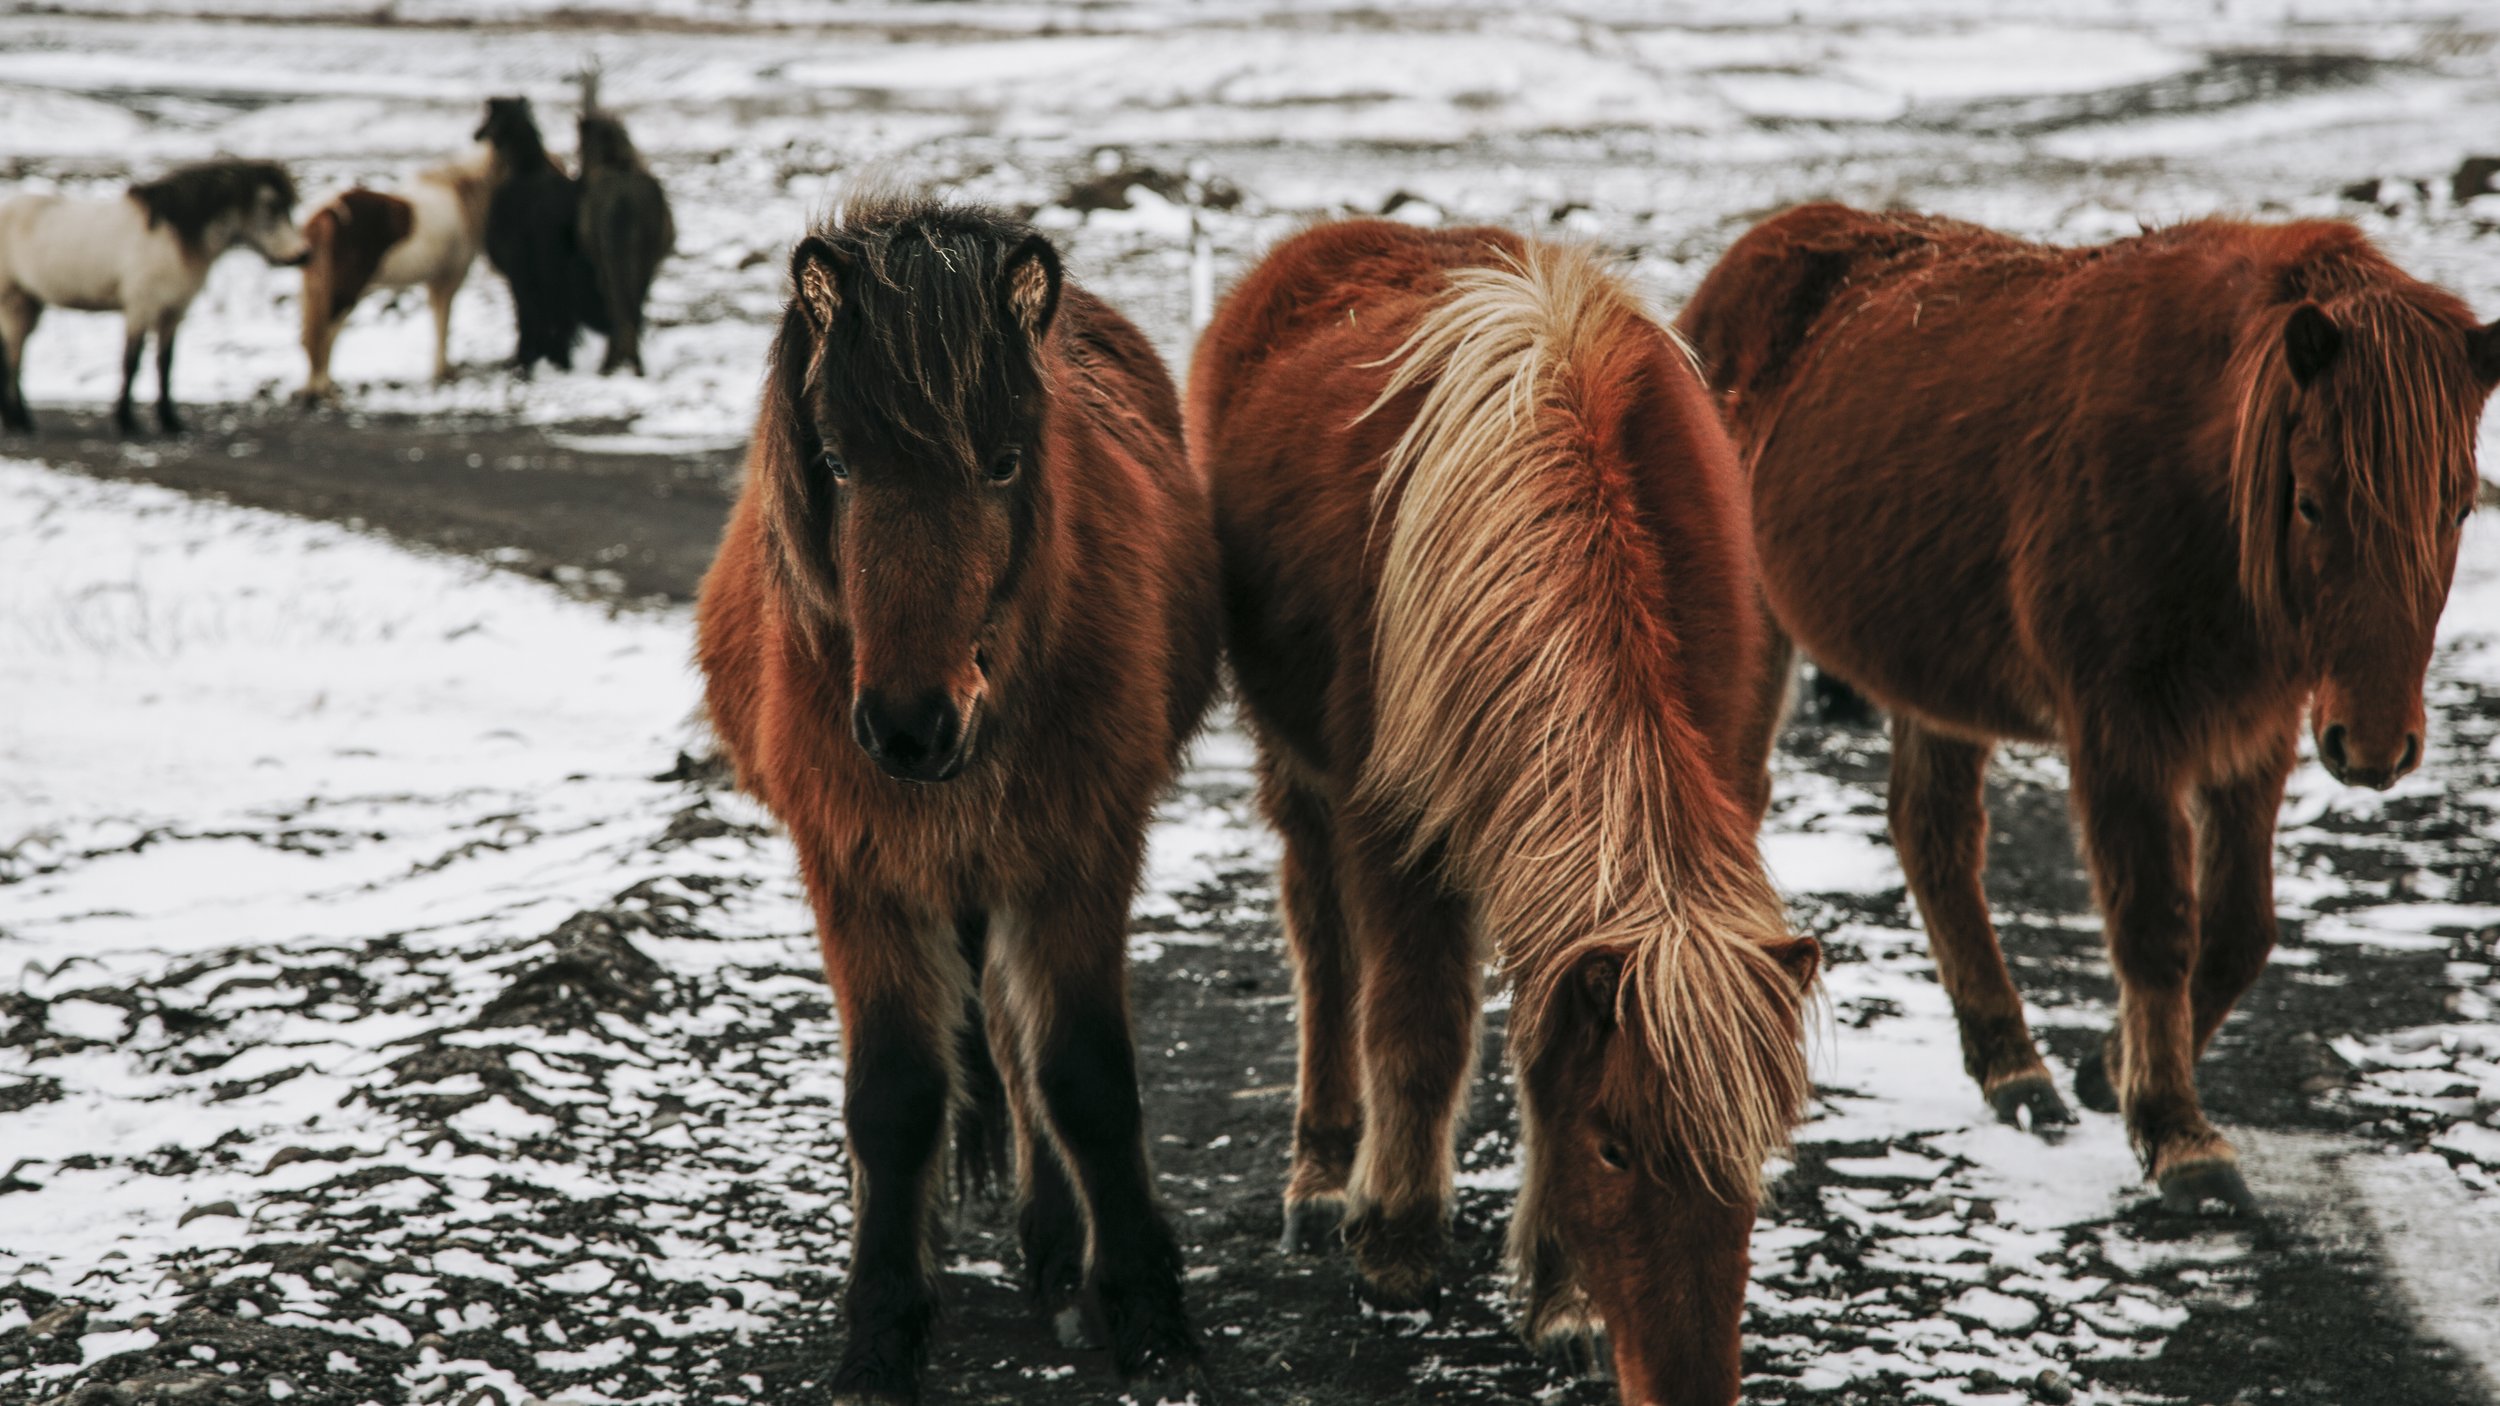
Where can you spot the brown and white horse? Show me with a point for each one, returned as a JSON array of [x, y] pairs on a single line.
[[144, 253], [2151, 500], [1492, 613], [962, 623], [424, 234]]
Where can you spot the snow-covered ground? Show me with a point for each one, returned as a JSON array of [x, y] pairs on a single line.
[[380, 976]]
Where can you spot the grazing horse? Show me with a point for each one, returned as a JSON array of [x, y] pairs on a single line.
[[2149, 500], [1491, 610], [533, 238], [425, 234], [145, 253], [626, 229], [963, 621]]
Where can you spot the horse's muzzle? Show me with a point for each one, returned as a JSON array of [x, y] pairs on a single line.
[[925, 738]]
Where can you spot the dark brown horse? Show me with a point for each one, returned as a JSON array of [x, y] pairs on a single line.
[[962, 623], [1491, 610], [2149, 500]]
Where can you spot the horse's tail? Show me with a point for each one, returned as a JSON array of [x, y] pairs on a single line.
[[1530, 719]]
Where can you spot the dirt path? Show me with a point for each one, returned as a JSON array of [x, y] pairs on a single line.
[[2298, 1307]]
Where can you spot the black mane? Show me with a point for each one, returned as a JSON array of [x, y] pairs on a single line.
[[191, 198], [512, 129]]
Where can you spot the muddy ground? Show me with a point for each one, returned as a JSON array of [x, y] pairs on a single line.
[[2296, 1307]]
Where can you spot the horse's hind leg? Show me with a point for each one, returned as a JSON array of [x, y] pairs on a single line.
[[1939, 815], [1417, 1022], [1749, 779], [439, 293], [1328, 1100], [1066, 977], [2141, 846], [2235, 888]]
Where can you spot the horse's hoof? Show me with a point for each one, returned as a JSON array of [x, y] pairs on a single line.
[[1313, 1227], [2092, 1087], [2035, 1094], [1073, 1327], [1405, 1303], [1177, 1379], [2195, 1188], [1586, 1355]]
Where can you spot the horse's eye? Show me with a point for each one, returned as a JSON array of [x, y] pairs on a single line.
[[1613, 1155], [833, 465], [2463, 514], [1004, 468], [2308, 508]]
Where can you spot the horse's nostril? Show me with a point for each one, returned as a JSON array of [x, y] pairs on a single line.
[[2413, 753], [2331, 746]]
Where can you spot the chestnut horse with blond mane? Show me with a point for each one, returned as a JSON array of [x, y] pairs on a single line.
[[963, 621], [2149, 500], [1491, 609]]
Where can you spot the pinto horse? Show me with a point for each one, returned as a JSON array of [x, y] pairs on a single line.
[[1492, 614], [425, 234], [963, 621], [144, 253], [2149, 500]]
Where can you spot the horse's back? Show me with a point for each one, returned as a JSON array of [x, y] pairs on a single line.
[[1951, 432], [1149, 489], [83, 253]]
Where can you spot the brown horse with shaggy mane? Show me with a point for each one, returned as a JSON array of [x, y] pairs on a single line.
[[2149, 500], [962, 623], [1491, 609]]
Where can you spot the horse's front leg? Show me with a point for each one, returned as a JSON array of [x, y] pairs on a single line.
[[18, 314], [1421, 998], [1066, 958], [901, 987], [2235, 886], [2141, 845], [1050, 1225], [134, 346], [168, 419]]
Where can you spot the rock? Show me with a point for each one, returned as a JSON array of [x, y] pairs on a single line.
[[213, 1208], [2051, 1388], [2477, 175]]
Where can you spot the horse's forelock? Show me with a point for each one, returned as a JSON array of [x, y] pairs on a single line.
[[926, 345], [2404, 399]]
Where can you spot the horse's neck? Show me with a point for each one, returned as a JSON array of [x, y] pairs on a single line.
[[473, 179]]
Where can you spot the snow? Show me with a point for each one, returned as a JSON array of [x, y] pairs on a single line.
[[260, 747]]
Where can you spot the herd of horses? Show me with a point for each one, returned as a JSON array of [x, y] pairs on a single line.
[[1510, 574], [578, 249]]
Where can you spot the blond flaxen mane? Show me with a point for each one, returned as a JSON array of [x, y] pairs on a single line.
[[1529, 722]]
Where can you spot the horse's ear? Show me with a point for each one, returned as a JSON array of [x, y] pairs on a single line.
[[2482, 348], [1801, 957], [1595, 986], [2310, 341], [817, 272], [1032, 285]]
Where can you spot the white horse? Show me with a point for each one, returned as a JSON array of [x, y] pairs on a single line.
[[144, 253], [426, 233]]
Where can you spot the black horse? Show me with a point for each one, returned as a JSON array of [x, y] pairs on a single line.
[[625, 228], [533, 238]]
